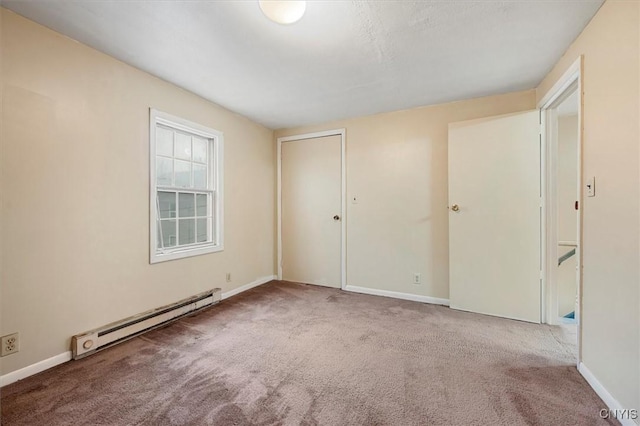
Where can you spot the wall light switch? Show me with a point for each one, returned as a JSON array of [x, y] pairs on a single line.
[[591, 187]]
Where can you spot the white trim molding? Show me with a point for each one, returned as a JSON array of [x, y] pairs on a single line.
[[397, 295], [249, 286], [604, 394], [36, 368], [343, 197], [572, 74]]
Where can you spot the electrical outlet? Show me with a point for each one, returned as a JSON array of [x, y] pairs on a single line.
[[417, 278], [228, 277], [10, 344]]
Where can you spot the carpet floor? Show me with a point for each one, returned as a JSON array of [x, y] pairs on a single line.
[[291, 354]]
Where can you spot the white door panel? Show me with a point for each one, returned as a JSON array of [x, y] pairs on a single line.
[[494, 237], [311, 197]]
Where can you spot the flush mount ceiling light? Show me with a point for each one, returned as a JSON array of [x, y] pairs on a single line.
[[283, 11]]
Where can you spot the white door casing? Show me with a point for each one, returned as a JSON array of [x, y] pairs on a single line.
[[495, 234]]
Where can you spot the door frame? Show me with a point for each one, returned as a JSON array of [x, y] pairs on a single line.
[[343, 193], [569, 82]]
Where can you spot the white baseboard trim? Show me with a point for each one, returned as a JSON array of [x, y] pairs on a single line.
[[36, 368], [604, 394], [249, 286], [397, 295]]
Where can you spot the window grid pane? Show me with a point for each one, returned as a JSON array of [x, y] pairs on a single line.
[[183, 146], [202, 201], [164, 171], [167, 204], [187, 205], [199, 176], [200, 150], [164, 142], [202, 230], [168, 230], [186, 231], [182, 170]]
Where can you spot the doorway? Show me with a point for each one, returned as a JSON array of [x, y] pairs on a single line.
[[561, 116], [311, 208]]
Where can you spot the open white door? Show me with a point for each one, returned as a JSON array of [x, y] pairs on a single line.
[[495, 216]]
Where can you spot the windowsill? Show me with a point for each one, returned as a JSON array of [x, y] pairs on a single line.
[[184, 252]]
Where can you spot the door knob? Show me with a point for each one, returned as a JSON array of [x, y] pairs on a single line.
[[336, 217], [455, 208]]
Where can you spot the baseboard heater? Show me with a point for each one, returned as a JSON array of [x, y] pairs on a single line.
[[88, 343]]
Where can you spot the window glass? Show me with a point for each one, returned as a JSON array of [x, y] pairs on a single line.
[[187, 205], [164, 171], [187, 231], [199, 176], [201, 204], [202, 225], [164, 145], [199, 150], [169, 236], [167, 204], [183, 174], [183, 146]]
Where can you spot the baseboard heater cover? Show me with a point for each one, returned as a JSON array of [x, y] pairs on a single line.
[[90, 342]]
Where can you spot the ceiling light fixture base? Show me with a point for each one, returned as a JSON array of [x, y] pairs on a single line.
[[283, 11]]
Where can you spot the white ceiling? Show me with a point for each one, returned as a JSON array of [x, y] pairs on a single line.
[[342, 59]]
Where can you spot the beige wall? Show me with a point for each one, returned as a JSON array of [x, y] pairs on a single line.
[[75, 210], [611, 270], [397, 168]]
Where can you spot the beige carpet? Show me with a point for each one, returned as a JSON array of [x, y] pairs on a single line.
[[295, 354]]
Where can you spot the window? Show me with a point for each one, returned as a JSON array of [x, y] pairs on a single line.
[[186, 188]]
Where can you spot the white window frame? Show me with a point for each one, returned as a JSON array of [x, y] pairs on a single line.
[[215, 182]]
